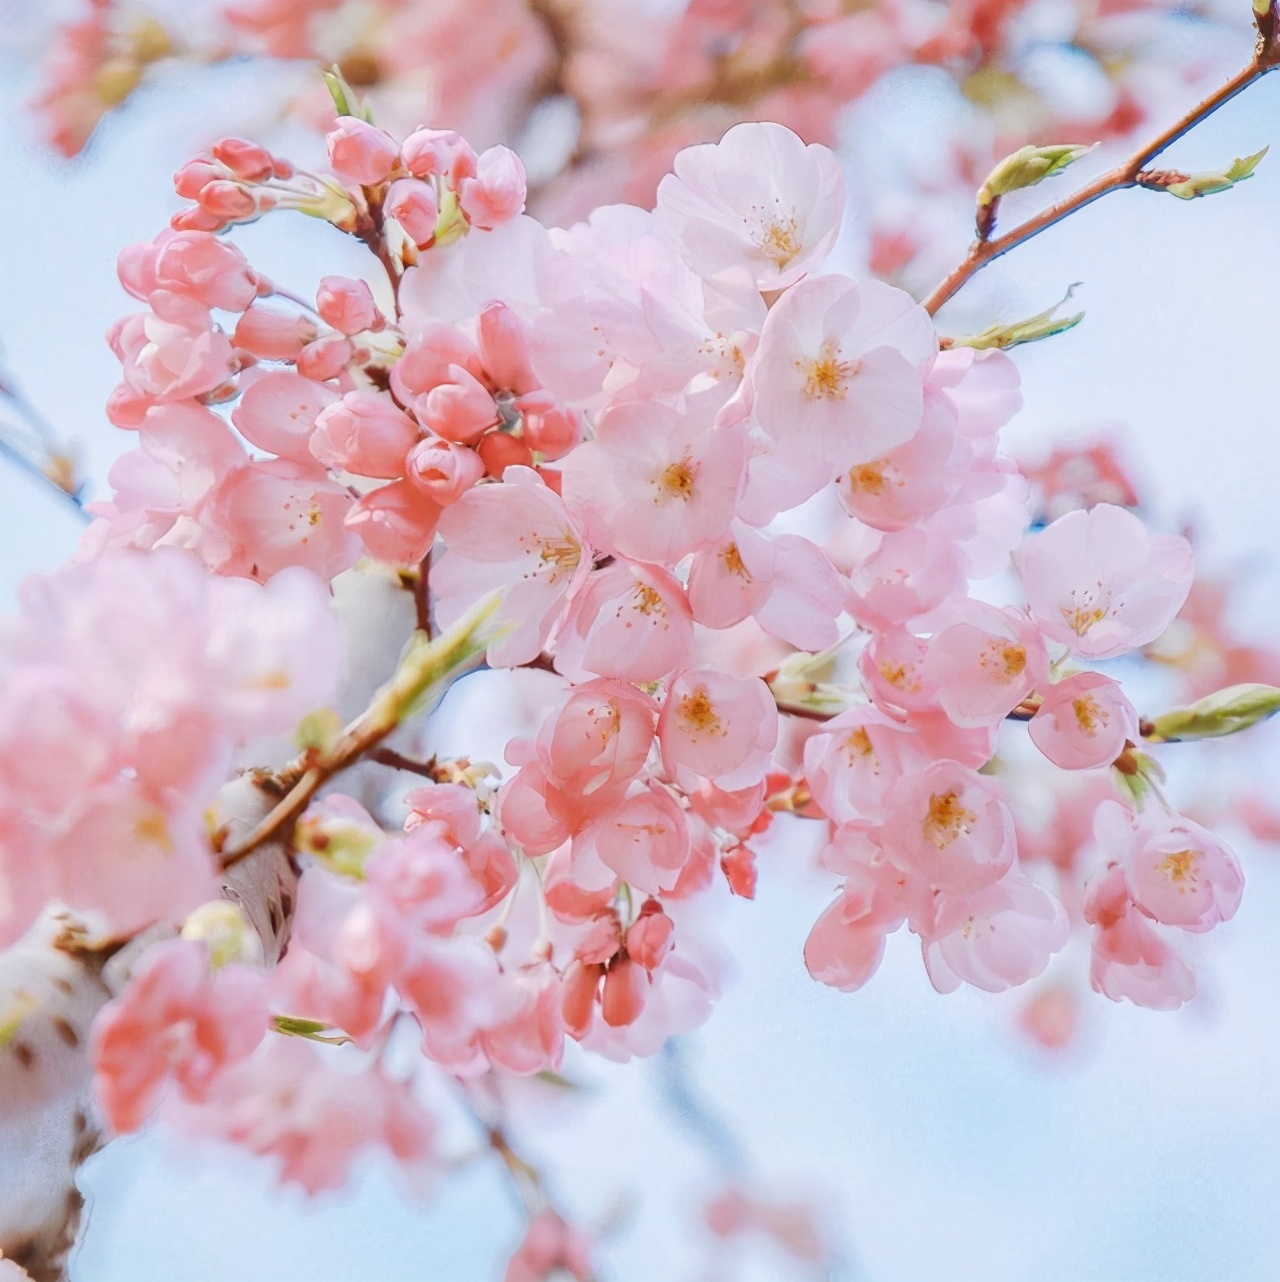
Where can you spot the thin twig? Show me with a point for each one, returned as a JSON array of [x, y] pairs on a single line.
[[1265, 59]]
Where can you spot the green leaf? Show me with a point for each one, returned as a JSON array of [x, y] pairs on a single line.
[[1043, 324]]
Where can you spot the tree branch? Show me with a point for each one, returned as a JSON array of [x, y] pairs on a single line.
[[981, 253]]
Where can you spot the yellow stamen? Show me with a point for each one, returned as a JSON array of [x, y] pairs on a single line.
[[827, 377], [947, 819]]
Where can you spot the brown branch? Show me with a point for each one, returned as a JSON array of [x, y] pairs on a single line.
[[983, 252], [398, 761], [427, 664]]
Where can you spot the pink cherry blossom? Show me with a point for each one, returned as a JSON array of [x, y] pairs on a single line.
[[1099, 583], [839, 373], [396, 522], [1177, 872], [645, 841], [1131, 960], [550, 1248], [278, 412], [599, 739], [416, 207], [717, 727], [759, 199], [656, 483], [518, 537], [985, 664], [442, 470], [949, 827], [996, 939], [174, 1021], [629, 621], [855, 760], [1084, 722], [787, 584], [902, 576], [293, 1103]]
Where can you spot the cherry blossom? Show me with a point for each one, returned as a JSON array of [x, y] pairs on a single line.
[[1099, 583], [1084, 721]]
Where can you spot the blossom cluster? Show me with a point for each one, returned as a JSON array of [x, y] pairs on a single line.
[[610, 92], [735, 519]]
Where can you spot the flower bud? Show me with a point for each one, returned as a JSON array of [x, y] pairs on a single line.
[[497, 193], [325, 358], [361, 153], [1024, 168], [1224, 712], [650, 938], [414, 206], [739, 867], [194, 176], [348, 305], [460, 410], [1189, 186], [227, 200], [626, 988], [438, 153], [442, 469], [272, 335], [1043, 324], [578, 997], [247, 160], [366, 433], [500, 450]]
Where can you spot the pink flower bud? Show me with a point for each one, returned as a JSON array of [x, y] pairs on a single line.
[[414, 206], [365, 433], [247, 160], [442, 469], [504, 348], [348, 305], [396, 523], [207, 268], [360, 152], [428, 357], [497, 193], [271, 335], [499, 451], [196, 219], [325, 358], [739, 865], [553, 433], [650, 938], [194, 176], [460, 410], [626, 987], [438, 153], [228, 201], [578, 997], [136, 269], [601, 942]]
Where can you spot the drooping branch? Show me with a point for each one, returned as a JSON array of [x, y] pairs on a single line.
[[1127, 174]]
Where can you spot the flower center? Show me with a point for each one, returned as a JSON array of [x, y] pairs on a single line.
[[699, 713], [1090, 715], [676, 479], [779, 239], [857, 744], [901, 676], [868, 477], [1086, 609], [732, 559], [1004, 660], [1180, 868], [947, 819], [827, 377], [649, 601], [562, 555]]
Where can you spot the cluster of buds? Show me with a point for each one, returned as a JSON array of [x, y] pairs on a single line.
[[240, 181]]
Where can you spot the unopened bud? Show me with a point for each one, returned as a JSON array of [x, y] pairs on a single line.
[[1043, 324], [1189, 186], [1224, 712], [1024, 168]]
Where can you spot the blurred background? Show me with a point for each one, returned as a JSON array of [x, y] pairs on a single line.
[[930, 1137]]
